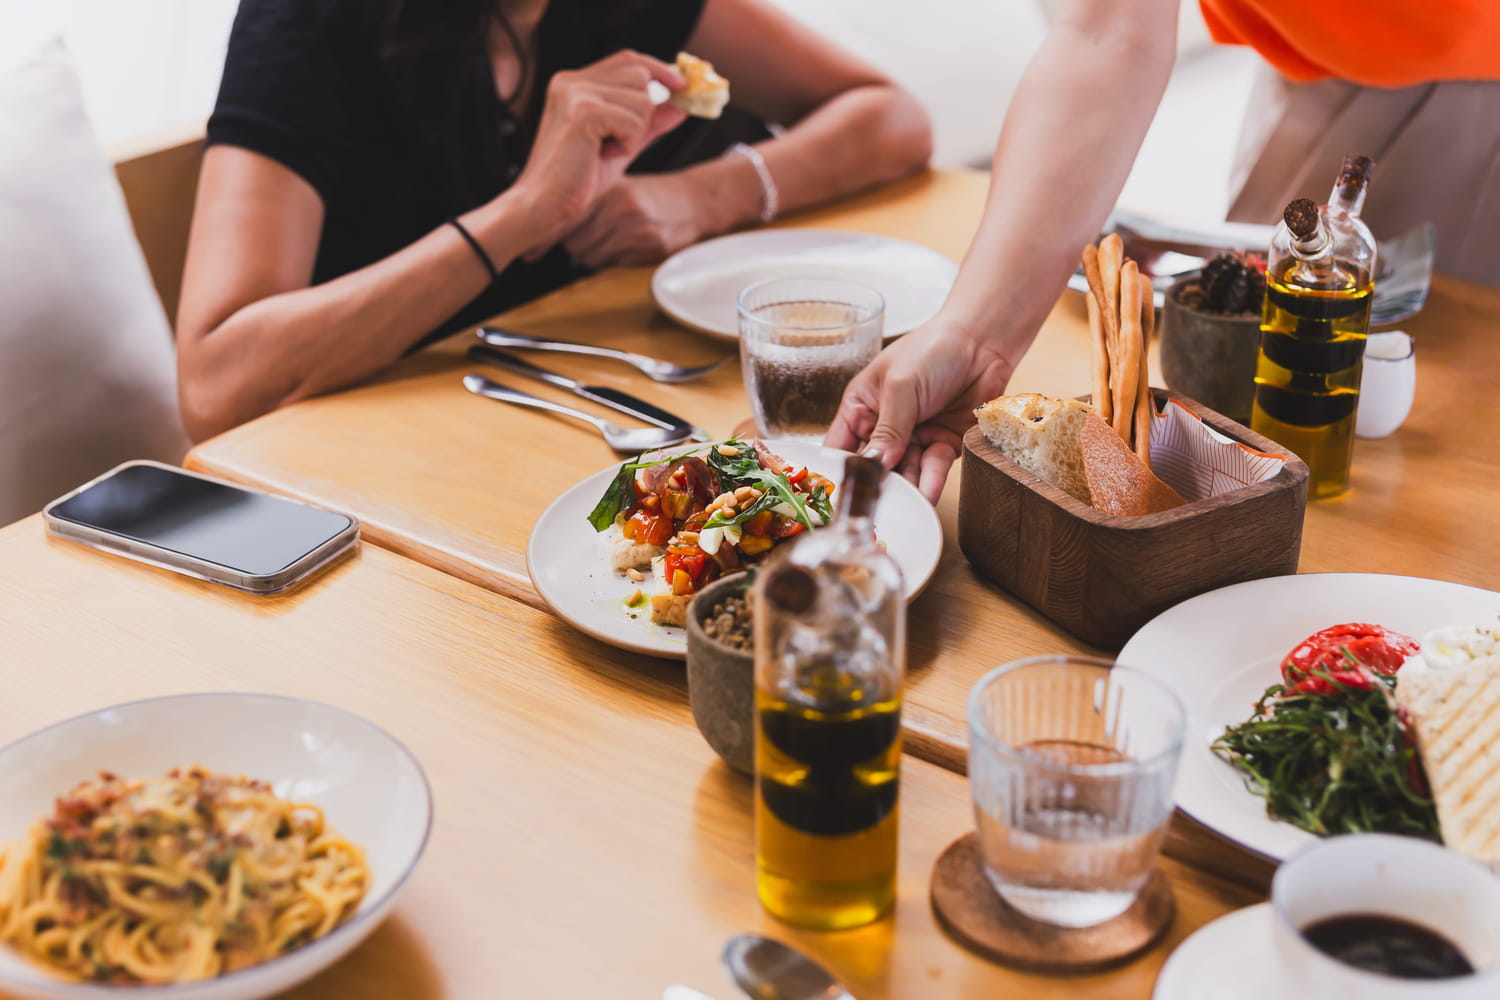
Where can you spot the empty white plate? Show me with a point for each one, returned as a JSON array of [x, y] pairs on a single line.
[[370, 787], [699, 286]]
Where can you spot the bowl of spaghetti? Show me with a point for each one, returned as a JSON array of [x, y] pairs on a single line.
[[200, 847]]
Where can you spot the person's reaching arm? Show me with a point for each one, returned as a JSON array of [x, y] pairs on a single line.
[[1070, 136]]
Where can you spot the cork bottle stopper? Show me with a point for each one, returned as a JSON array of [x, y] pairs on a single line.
[[1357, 170], [1302, 218], [790, 589]]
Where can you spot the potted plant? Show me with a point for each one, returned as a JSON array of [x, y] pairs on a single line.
[[1210, 333]]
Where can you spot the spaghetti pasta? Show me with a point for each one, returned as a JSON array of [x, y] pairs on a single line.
[[174, 879]]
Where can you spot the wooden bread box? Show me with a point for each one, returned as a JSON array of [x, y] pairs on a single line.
[[1102, 576]]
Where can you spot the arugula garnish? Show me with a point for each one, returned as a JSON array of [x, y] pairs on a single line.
[[745, 469], [620, 493], [733, 471], [1335, 762]]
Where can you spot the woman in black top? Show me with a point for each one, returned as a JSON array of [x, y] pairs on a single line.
[[348, 133]]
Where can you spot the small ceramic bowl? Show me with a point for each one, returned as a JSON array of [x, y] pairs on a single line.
[[1207, 357], [721, 681]]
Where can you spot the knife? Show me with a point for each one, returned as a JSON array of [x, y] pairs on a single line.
[[604, 395]]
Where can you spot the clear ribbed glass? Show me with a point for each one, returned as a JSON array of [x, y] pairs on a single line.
[[1071, 766], [801, 341]]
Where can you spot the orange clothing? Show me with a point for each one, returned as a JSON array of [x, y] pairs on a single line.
[[1376, 43]]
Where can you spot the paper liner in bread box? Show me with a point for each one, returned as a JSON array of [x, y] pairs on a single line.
[[1102, 576]]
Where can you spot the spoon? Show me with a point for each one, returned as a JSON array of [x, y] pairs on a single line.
[[633, 441], [659, 371], [770, 970]]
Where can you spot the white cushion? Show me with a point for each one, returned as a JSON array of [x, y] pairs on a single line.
[[87, 370]]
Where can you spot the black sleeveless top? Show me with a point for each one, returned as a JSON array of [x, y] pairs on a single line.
[[395, 137]]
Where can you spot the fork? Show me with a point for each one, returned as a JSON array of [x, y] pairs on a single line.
[[626, 441], [658, 371]]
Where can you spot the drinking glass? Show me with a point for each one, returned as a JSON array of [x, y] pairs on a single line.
[[801, 341], [1071, 767], [1389, 384]]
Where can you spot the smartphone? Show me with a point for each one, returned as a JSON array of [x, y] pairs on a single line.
[[202, 527]]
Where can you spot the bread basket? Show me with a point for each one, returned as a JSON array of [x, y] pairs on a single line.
[[1101, 576]]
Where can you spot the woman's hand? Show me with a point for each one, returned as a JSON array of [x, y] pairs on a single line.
[[641, 220], [911, 405], [594, 122]]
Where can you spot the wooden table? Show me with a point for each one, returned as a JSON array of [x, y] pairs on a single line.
[[457, 482], [587, 842]]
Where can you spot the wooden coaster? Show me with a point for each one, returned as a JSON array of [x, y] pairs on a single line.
[[976, 917]]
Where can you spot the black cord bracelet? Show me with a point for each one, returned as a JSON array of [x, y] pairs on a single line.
[[469, 239]]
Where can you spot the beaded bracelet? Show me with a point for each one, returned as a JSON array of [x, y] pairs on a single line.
[[769, 197]]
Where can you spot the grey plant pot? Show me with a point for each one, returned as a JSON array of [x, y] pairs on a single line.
[[721, 682], [1209, 358]]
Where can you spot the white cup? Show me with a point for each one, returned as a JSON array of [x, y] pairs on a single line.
[[1380, 874], [1388, 385]]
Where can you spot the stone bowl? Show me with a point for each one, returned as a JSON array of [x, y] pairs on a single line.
[[721, 681], [1209, 358]]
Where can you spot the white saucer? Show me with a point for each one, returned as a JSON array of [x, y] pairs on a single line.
[[1233, 958]]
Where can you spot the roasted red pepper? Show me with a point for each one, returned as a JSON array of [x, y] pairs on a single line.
[[1345, 654]]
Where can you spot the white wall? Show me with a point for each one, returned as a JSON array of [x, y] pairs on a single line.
[[153, 66], [146, 65]]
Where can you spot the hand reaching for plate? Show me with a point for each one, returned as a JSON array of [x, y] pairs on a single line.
[[910, 407]]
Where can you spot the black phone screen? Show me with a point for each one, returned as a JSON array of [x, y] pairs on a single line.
[[253, 533]]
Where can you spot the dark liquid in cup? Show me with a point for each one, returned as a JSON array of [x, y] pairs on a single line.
[[1388, 946]]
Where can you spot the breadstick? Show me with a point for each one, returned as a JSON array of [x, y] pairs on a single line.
[[1144, 407], [1127, 373], [1143, 411], [1111, 258], [1148, 311], [1099, 360], [1108, 314]]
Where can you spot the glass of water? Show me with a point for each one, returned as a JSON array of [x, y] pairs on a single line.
[[801, 341], [1071, 767]]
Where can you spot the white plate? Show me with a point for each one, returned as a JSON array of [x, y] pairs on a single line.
[[1221, 650], [700, 286], [569, 562], [1232, 958], [370, 787]]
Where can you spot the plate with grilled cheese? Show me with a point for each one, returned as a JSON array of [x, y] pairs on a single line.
[[1222, 650]]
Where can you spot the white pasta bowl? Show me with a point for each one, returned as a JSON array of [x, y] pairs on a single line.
[[370, 787]]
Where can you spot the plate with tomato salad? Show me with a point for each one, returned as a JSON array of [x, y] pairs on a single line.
[[684, 517], [1309, 633]]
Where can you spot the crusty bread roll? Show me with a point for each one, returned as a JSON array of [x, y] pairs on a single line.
[[706, 93], [1118, 480], [1456, 714], [1040, 434]]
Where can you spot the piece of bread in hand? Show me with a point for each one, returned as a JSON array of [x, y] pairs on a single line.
[[1119, 483], [706, 93], [1456, 714], [1041, 435]]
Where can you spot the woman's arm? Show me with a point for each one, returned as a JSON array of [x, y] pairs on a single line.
[[1070, 136], [253, 336], [849, 128]]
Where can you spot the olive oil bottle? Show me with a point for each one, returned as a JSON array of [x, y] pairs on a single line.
[[830, 647], [1316, 318]]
